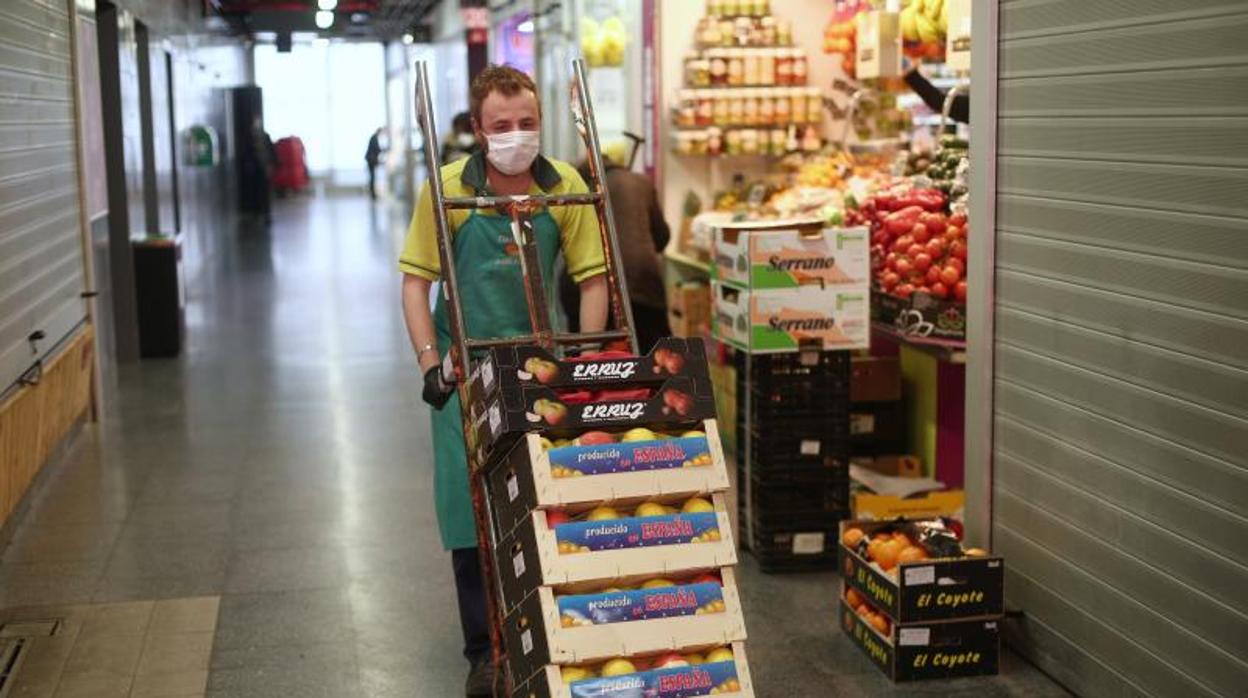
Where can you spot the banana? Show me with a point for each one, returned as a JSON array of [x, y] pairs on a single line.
[[909, 27], [927, 30], [933, 8]]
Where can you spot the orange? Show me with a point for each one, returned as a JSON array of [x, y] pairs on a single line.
[[880, 623], [853, 598], [851, 537], [886, 554], [912, 553]]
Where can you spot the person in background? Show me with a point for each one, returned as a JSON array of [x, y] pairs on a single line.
[[642, 233], [263, 160], [460, 142], [934, 97], [507, 120], [372, 157]]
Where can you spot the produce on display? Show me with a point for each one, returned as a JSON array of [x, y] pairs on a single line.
[[603, 43], [923, 28], [840, 35]]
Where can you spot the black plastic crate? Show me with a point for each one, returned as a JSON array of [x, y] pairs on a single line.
[[796, 550], [877, 428], [796, 497], [799, 448]]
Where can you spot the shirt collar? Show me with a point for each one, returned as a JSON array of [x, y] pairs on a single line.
[[544, 174]]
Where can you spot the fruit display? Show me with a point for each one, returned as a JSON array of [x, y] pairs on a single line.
[[840, 35], [924, 24], [918, 570], [711, 672], [603, 43], [693, 521], [916, 247], [878, 621]]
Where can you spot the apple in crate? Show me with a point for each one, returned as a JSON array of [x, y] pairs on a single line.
[[594, 438]]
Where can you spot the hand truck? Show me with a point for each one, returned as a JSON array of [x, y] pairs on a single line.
[[520, 209]]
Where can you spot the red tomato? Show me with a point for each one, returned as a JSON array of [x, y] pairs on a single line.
[[936, 248], [920, 233], [890, 260], [903, 243], [922, 261], [880, 237], [933, 275], [904, 266], [903, 291], [959, 291], [956, 264], [889, 279], [914, 250], [950, 276], [938, 290], [958, 249], [935, 223], [958, 219], [955, 232]]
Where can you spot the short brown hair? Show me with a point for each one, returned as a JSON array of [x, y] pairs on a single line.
[[503, 79]]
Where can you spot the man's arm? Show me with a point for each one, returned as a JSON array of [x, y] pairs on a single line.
[[594, 303], [419, 319]]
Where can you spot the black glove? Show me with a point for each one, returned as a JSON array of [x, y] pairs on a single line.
[[437, 391]]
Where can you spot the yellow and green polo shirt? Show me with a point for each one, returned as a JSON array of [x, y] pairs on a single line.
[[578, 225]]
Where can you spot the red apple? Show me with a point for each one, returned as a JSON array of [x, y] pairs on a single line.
[[904, 266], [933, 275], [594, 438], [936, 248], [922, 262], [669, 661], [956, 264], [914, 250], [706, 578], [556, 517]]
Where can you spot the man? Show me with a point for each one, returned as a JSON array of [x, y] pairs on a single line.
[[461, 141], [372, 157], [506, 119]]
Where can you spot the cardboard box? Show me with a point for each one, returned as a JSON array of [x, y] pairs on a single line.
[[507, 370], [689, 309], [958, 34], [920, 315], [576, 629], [602, 551], [928, 650], [494, 425], [879, 507], [894, 466], [724, 679], [928, 590], [788, 321], [532, 477], [879, 45], [875, 379], [773, 255]]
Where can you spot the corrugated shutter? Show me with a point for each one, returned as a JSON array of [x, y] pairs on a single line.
[[40, 245], [1121, 378]]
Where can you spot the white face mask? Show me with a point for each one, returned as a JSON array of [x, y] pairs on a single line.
[[513, 152]]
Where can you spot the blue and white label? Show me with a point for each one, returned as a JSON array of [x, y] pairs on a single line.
[[582, 610]]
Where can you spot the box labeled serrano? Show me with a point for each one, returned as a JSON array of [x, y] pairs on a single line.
[[756, 256], [497, 423], [918, 571], [554, 548], [509, 368], [659, 615], [788, 321], [618, 468]]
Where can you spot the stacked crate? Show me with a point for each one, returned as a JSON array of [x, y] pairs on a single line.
[[793, 299], [611, 581]]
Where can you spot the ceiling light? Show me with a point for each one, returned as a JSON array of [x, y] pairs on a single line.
[[525, 27], [324, 19], [327, 4], [408, 39]]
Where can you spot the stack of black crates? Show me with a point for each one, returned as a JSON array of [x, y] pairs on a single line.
[[793, 458]]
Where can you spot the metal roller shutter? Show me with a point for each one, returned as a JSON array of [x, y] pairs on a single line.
[[1120, 480], [40, 245]]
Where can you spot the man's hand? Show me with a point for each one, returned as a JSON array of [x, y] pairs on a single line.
[[437, 391]]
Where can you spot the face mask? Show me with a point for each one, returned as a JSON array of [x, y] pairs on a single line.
[[513, 152], [466, 140]]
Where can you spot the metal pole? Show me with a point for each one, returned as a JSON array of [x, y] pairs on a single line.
[[583, 117]]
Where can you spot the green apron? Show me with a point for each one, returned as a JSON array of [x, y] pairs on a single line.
[[491, 294]]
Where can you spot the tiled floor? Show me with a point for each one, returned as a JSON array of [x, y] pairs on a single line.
[[283, 464], [134, 649]]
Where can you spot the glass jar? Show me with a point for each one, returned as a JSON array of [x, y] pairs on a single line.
[[726, 37], [814, 105], [714, 141], [797, 105], [799, 67], [684, 143], [718, 68], [753, 75], [777, 139], [687, 110], [714, 7], [722, 109], [784, 32], [791, 142], [811, 142], [706, 109], [767, 67], [729, 8], [732, 142], [784, 67], [750, 109], [736, 108], [749, 142], [736, 69], [767, 31], [701, 73], [783, 114], [699, 142], [741, 31], [766, 108]]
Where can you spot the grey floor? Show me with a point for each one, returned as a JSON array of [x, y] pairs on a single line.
[[284, 465]]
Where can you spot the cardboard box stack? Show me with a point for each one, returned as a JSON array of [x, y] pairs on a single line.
[[919, 604], [792, 298], [606, 480]]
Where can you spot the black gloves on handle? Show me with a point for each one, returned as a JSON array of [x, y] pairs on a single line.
[[437, 389]]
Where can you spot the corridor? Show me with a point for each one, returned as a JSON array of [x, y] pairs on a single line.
[[279, 475]]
